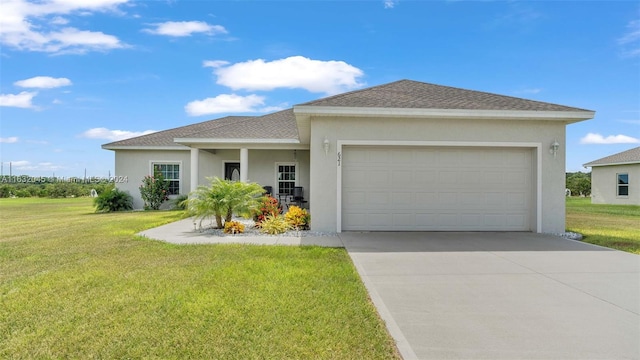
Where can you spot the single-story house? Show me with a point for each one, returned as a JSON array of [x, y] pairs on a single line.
[[615, 179], [403, 156]]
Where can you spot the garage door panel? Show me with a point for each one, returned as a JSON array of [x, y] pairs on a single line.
[[402, 178], [354, 177], [402, 220], [378, 199], [425, 177], [414, 188], [402, 200]]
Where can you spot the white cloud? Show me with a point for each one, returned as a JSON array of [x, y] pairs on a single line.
[[43, 82], [41, 166], [185, 28], [58, 20], [390, 4], [330, 77], [20, 163], [228, 103], [9, 140], [34, 26], [630, 41], [21, 100], [593, 138], [214, 63], [113, 135]]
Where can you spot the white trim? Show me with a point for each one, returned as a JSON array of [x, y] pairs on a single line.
[[169, 162], [570, 116], [636, 162], [141, 147], [244, 164], [618, 196], [234, 141], [276, 188], [532, 145]]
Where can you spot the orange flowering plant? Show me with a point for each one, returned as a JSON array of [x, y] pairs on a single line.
[[269, 206]]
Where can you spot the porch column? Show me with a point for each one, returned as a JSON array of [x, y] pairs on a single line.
[[195, 154], [244, 164]]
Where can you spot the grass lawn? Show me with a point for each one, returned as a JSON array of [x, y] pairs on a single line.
[[75, 284], [613, 226]]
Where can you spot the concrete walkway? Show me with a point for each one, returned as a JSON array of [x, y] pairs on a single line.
[[501, 295], [484, 295]]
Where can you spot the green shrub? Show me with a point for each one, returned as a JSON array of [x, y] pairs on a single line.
[[233, 227], [6, 191], [22, 193], [154, 191], [66, 189], [274, 225], [114, 200], [298, 218]]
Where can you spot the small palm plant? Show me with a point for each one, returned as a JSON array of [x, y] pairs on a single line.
[[222, 199]]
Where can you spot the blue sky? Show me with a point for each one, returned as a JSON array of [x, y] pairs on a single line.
[[77, 74]]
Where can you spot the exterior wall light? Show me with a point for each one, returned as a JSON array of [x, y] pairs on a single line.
[[554, 148], [325, 146]]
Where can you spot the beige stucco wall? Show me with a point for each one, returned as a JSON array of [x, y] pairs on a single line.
[[604, 184], [325, 169], [135, 165]]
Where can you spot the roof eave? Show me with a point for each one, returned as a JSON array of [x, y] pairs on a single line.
[[144, 147], [234, 141], [634, 162], [566, 116]]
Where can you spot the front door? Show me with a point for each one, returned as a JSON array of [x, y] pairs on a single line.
[[232, 171]]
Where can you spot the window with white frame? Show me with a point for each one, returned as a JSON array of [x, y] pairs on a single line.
[[171, 173], [623, 184], [286, 178]]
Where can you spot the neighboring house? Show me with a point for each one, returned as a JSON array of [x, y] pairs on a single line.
[[615, 179], [404, 156]]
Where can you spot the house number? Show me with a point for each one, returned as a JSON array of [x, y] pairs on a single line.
[[339, 157]]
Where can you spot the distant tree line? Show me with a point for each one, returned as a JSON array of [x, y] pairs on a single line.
[[579, 183], [30, 186]]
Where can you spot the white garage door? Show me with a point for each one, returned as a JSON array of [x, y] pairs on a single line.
[[437, 189]]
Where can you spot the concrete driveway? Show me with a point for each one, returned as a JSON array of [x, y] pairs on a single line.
[[501, 295]]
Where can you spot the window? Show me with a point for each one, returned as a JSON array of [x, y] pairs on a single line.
[[171, 172], [286, 178], [623, 184]]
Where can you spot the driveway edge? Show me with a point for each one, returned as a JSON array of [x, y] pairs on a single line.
[[406, 351]]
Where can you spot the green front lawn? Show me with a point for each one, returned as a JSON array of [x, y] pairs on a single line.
[[613, 226], [74, 284]]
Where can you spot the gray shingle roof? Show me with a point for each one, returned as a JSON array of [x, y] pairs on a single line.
[[165, 137], [278, 125], [419, 95], [399, 94], [631, 156]]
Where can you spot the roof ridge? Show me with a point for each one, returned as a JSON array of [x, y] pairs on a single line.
[[351, 92], [434, 96]]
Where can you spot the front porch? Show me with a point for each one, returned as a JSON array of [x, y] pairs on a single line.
[[285, 171]]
